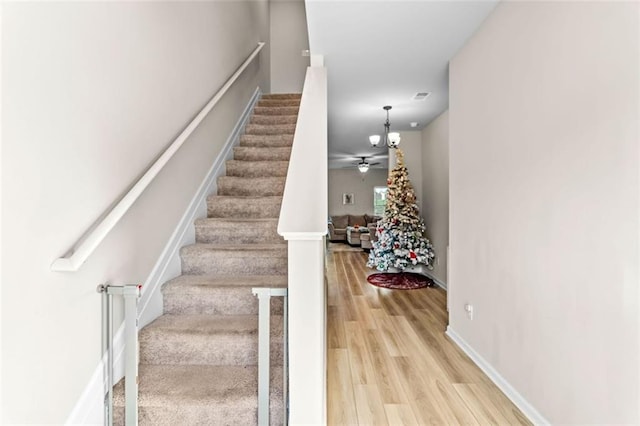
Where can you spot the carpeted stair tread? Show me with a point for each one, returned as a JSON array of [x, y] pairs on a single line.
[[268, 250], [266, 141], [201, 395], [243, 259], [219, 300], [257, 168], [209, 383], [199, 339], [267, 119], [219, 295], [201, 283], [282, 96], [225, 206], [236, 222], [264, 186], [251, 153], [209, 325], [276, 110], [241, 230], [279, 103], [270, 129], [239, 221]]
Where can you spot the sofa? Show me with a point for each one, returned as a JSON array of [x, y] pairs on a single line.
[[338, 224]]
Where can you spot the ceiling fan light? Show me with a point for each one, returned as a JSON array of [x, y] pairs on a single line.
[[374, 139], [394, 139], [363, 167]]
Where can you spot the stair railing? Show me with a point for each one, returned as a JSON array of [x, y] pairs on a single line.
[[95, 235], [264, 352], [130, 294], [303, 223]]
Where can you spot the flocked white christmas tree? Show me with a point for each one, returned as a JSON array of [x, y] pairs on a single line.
[[401, 242]]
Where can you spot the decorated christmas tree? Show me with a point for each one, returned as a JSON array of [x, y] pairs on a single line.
[[401, 241]]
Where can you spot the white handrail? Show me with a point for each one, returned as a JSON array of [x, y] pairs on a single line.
[[83, 248], [306, 184]]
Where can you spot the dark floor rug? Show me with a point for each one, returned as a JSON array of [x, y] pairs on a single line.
[[400, 281]]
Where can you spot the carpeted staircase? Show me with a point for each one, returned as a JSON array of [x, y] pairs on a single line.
[[198, 361]]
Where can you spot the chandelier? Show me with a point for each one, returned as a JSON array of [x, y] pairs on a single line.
[[391, 139]]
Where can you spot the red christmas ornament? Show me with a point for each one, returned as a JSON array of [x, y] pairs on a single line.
[[412, 255]]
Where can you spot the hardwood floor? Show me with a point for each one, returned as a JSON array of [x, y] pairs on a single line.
[[389, 361]]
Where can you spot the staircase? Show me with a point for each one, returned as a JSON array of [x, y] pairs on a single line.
[[198, 361]]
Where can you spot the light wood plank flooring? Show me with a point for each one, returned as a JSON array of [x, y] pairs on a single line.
[[389, 361]]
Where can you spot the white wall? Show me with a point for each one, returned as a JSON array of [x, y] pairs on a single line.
[[544, 204], [435, 189], [289, 37], [352, 181], [92, 93]]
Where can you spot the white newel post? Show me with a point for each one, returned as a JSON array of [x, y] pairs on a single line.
[[303, 223], [307, 328]]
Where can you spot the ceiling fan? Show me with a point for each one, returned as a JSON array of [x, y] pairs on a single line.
[[347, 160], [363, 164]]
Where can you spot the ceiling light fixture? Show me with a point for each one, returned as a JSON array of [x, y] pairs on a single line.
[[364, 165], [391, 139]]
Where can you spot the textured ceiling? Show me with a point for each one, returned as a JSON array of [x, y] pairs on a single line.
[[382, 53]]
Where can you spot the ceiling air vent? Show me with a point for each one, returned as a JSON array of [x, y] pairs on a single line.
[[421, 96]]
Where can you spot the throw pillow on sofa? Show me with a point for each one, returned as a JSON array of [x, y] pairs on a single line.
[[357, 220], [340, 222]]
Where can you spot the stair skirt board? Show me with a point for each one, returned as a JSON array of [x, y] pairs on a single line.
[[89, 409]]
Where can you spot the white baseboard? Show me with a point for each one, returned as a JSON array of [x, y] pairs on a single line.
[[527, 409], [438, 281], [89, 410], [90, 406], [422, 270]]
